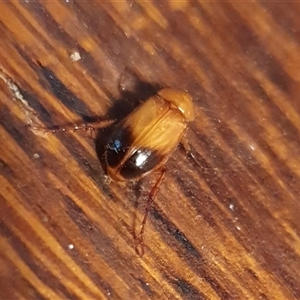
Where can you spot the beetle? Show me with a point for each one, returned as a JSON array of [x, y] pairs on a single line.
[[144, 140]]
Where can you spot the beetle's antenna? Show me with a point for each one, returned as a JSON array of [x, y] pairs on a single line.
[[150, 200], [91, 127]]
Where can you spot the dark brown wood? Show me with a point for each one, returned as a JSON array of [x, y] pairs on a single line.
[[225, 222]]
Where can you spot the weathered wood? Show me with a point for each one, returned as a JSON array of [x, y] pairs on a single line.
[[225, 224]]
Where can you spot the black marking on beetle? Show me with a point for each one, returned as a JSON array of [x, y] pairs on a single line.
[[141, 162], [118, 144]]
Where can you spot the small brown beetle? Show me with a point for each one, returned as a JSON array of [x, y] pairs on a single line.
[[144, 140]]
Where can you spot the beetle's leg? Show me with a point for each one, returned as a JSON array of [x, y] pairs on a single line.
[[150, 200], [90, 127]]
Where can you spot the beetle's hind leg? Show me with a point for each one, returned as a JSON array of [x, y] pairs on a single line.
[[139, 245]]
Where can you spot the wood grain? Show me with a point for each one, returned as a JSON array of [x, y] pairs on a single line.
[[225, 224]]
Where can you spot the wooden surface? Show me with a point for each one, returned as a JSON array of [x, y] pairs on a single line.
[[225, 224]]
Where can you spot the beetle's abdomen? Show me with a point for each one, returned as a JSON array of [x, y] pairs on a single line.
[[126, 163], [139, 163]]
